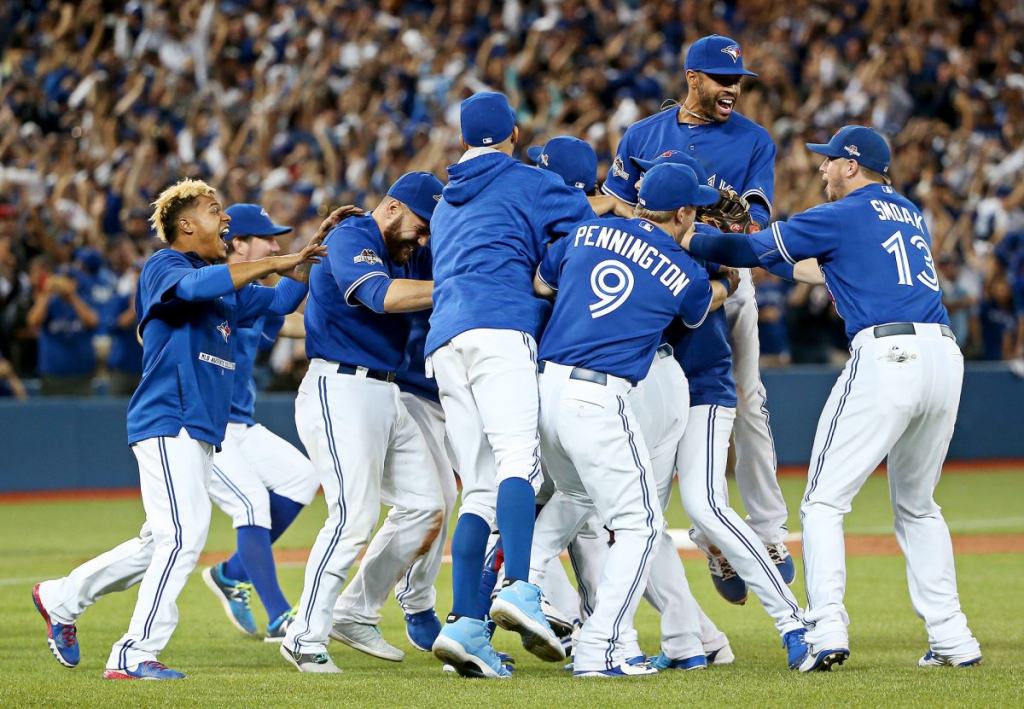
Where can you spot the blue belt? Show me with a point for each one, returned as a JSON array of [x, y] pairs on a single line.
[[581, 374], [377, 374], [907, 328]]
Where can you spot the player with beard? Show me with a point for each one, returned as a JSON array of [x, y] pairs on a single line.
[[738, 155], [365, 446]]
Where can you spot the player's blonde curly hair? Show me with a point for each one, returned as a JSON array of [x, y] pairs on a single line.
[[172, 202]]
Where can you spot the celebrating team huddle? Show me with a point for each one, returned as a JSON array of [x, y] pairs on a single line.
[[568, 354]]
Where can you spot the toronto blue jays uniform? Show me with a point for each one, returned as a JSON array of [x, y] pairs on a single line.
[[897, 396], [365, 446], [189, 316], [619, 283], [738, 155]]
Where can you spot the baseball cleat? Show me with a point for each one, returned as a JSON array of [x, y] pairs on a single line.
[[727, 582], [149, 670], [796, 648], [933, 659], [61, 637], [623, 670], [559, 622], [365, 638], [507, 661], [663, 662], [466, 646], [313, 662], [822, 661], [422, 629], [721, 656], [517, 608], [278, 627], [233, 596], [783, 561]]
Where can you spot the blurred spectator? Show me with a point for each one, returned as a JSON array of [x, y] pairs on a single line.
[[125, 361], [816, 334], [10, 384], [959, 301], [771, 293], [66, 321], [998, 321]]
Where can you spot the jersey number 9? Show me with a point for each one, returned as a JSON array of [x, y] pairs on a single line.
[[612, 282]]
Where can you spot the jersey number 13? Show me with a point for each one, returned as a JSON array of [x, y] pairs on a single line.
[[896, 246]]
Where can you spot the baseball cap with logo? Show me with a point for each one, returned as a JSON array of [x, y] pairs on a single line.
[[486, 119], [858, 143], [570, 158], [674, 157], [669, 186], [252, 220], [419, 191], [716, 54]]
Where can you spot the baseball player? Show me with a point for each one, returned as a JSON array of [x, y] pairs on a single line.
[[619, 283], [739, 155], [897, 396], [259, 480], [661, 408], [188, 314], [365, 446], [490, 230]]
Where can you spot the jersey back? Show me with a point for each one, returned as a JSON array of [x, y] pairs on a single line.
[[875, 252], [620, 282]]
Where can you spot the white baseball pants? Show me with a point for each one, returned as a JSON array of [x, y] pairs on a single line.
[[897, 396], [705, 494], [488, 385], [174, 474], [415, 590], [756, 465], [595, 452], [252, 460], [366, 450]]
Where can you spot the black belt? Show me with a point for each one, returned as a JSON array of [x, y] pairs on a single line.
[[377, 374], [665, 351], [581, 374], [907, 328]]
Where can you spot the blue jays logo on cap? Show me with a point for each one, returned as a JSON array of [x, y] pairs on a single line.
[[225, 330], [734, 51]]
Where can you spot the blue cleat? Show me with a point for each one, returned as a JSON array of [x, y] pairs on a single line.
[[150, 670], [933, 659], [233, 596], [823, 660], [663, 662], [62, 638], [278, 627], [643, 669], [422, 629], [796, 647], [466, 646], [518, 608], [783, 561], [727, 582]]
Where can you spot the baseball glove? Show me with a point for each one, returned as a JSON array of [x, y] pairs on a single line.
[[730, 213]]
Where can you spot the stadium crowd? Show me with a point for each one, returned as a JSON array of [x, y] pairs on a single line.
[[301, 106]]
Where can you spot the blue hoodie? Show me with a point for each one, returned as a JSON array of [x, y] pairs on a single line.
[[489, 232]]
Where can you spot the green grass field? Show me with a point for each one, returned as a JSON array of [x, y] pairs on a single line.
[[46, 540]]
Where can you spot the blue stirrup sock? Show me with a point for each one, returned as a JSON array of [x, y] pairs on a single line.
[[469, 544], [258, 563], [283, 512], [517, 506]]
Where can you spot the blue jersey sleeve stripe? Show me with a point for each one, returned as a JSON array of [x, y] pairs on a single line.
[[758, 193], [359, 282], [610, 191], [777, 233], [703, 317], [541, 279]]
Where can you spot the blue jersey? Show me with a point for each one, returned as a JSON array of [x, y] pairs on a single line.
[[620, 282], [738, 155], [706, 359], [345, 318], [258, 336], [412, 376], [875, 252], [488, 234], [189, 316], [65, 345]]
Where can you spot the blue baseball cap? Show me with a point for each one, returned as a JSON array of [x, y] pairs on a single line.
[[570, 158], [251, 220], [668, 187], [486, 119], [674, 157], [716, 54], [858, 143], [419, 191]]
